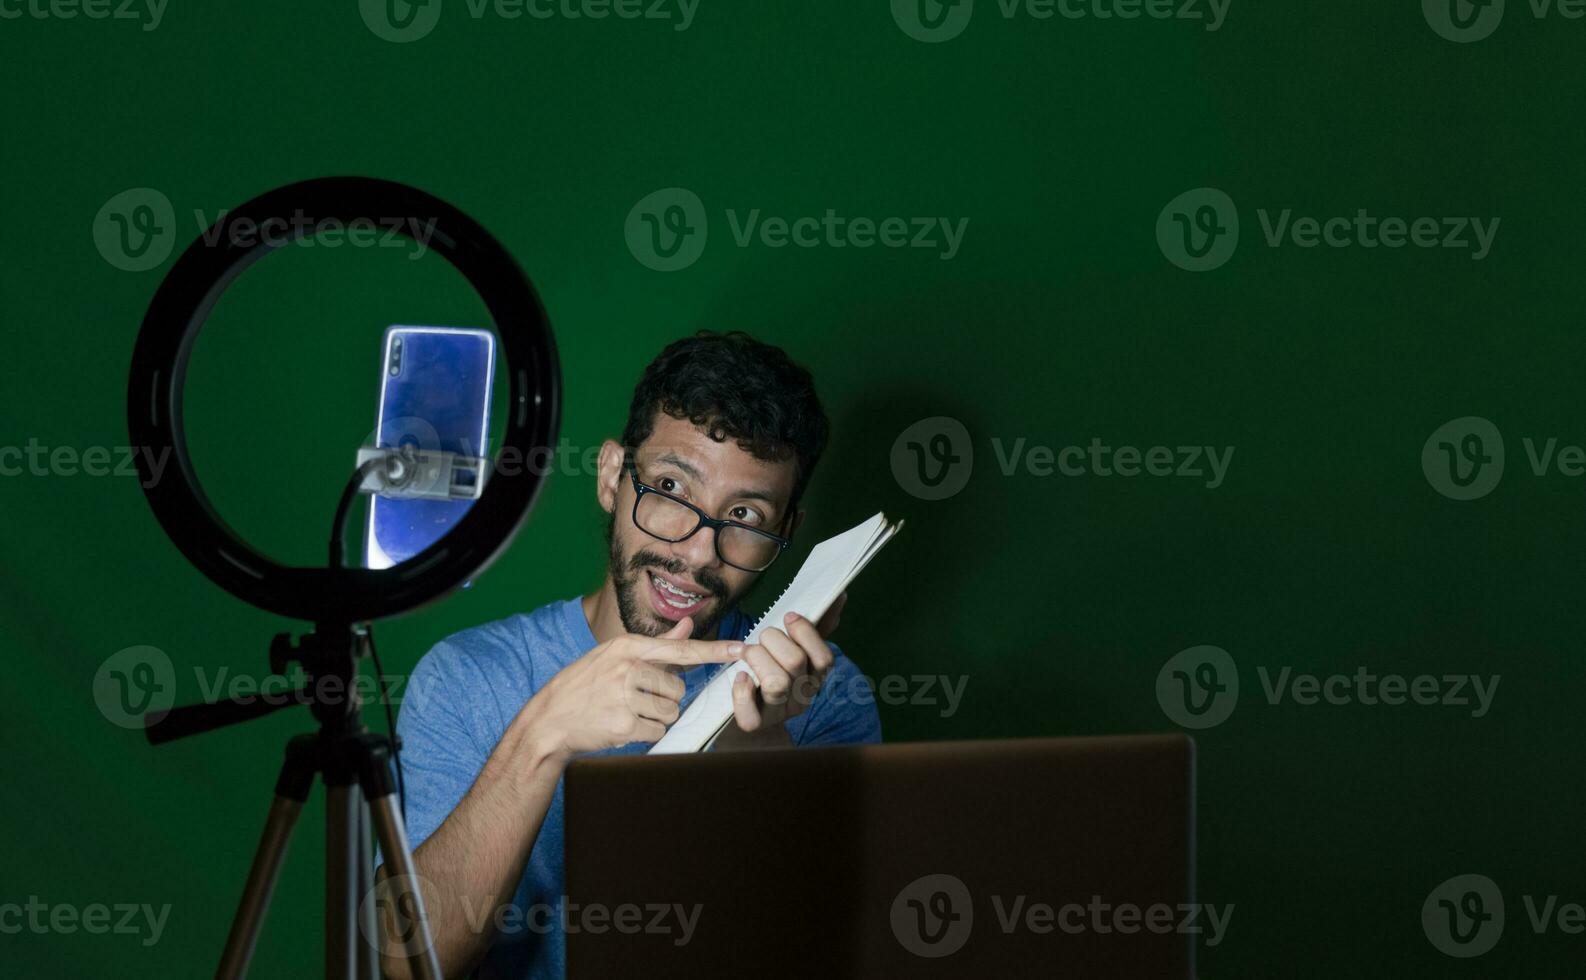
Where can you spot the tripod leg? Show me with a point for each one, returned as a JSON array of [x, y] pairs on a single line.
[[367, 940], [403, 876], [291, 790], [342, 802]]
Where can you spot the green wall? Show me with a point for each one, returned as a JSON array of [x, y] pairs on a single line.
[[1057, 600]]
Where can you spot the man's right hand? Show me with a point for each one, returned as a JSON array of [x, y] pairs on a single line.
[[621, 691]]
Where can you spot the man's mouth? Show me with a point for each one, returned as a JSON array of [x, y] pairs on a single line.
[[671, 598]]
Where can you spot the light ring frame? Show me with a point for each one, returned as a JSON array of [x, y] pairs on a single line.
[[178, 312]]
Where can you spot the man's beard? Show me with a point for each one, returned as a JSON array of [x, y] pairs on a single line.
[[627, 578]]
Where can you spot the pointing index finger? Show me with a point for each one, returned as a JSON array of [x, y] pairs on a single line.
[[693, 652]]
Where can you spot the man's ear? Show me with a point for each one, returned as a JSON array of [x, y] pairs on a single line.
[[608, 479], [793, 525]]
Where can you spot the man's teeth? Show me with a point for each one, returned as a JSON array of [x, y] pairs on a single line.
[[683, 600]]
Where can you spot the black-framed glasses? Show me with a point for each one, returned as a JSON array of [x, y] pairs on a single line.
[[672, 519]]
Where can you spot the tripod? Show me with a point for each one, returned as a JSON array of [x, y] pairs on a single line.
[[355, 766]]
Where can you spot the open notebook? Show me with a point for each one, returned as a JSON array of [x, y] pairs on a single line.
[[832, 564]]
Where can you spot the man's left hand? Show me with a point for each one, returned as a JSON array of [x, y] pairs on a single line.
[[791, 664]]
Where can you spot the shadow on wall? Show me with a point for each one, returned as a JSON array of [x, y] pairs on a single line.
[[875, 457], [895, 623], [933, 602]]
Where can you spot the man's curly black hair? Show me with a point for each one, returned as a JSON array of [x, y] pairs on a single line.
[[734, 387]]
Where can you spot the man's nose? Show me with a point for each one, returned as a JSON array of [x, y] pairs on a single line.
[[699, 550]]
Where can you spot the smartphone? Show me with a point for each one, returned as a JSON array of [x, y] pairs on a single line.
[[435, 386]]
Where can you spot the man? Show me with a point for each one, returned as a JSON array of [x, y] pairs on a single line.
[[703, 494]]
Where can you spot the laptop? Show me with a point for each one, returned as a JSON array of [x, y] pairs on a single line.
[[992, 858]]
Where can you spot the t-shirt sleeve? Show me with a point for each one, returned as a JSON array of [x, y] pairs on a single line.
[[843, 713], [441, 756]]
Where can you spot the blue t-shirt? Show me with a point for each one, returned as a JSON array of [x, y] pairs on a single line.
[[466, 691]]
